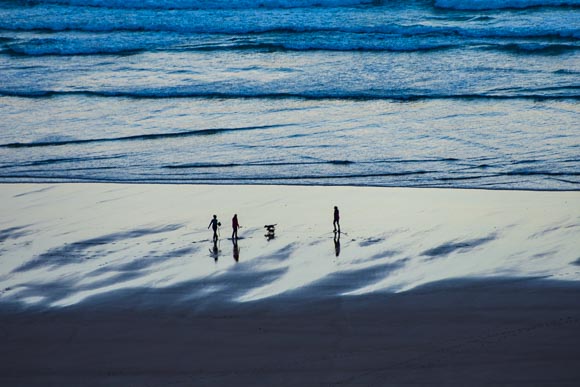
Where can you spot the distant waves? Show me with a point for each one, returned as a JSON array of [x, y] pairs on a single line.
[[129, 44], [567, 92], [288, 4], [412, 93], [485, 143], [153, 136]]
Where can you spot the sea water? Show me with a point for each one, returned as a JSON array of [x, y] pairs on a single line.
[[411, 93]]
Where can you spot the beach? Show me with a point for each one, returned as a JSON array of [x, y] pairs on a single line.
[[112, 284], [443, 135]]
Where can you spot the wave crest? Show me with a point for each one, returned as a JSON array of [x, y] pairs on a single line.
[[561, 93], [152, 136], [204, 4], [479, 5], [110, 46]]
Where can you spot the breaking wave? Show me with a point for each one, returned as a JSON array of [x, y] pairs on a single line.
[[205, 4], [565, 92], [152, 136], [288, 4], [124, 44], [502, 4]]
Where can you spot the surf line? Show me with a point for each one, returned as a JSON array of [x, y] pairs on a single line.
[[155, 136]]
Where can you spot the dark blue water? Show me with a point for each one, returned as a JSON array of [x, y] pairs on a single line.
[[444, 93]]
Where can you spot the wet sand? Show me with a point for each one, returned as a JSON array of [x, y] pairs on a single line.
[[453, 333], [119, 285]]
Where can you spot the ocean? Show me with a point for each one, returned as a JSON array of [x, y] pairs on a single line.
[[411, 93]]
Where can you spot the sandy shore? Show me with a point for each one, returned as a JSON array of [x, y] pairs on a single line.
[[120, 285]]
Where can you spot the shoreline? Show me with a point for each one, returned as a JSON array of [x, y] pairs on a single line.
[[426, 187]]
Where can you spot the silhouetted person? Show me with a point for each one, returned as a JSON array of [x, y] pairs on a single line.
[[336, 222], [337, 243], [236, 250], [235, 226], [214, 224]]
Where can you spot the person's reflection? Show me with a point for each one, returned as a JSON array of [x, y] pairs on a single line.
[[337, 243], [214, 251], [236, 250]]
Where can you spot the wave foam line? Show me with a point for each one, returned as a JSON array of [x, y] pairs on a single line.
[[22, 50], [287, 4], [205, 4], [229, 165], [277, 164], [194, 25], [55, 49], [61, 160], [202, 132], [156, 94], [477, 183], [217, 178], [540, 173], [480, 5]]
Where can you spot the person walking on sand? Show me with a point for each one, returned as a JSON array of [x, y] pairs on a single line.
[[235, 226], [336, 222], [214, 224]]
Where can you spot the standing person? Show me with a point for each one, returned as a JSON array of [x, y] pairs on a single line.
[[235, 226], [336, 222], [214, 223]]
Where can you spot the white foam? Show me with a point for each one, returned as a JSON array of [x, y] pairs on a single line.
[[214, 4], [501, 4]]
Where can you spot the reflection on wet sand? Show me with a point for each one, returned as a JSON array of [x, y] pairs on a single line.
[[337, 243], [236, 249], [215, 251], [58, 261]]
